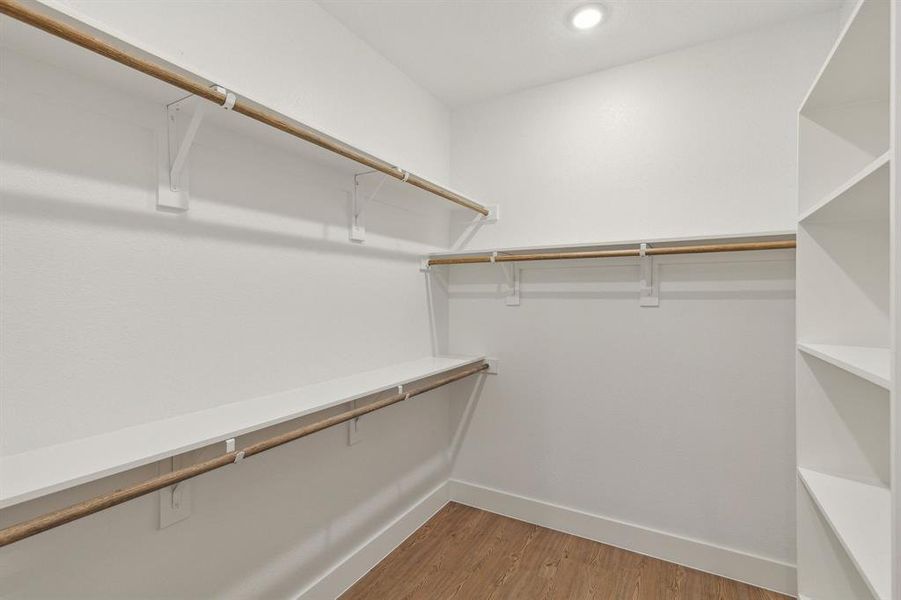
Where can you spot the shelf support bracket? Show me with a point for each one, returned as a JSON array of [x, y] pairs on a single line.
[[512, 274], [178, 150], [648, 287], [474, 225], [358, 205], [176, 197], [353, 427], [174, 501]]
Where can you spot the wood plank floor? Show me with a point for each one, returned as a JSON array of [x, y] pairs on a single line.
[[466, 553]]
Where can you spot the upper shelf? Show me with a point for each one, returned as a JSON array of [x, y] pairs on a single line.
[[174, 76], [43, 471], [857, 69]]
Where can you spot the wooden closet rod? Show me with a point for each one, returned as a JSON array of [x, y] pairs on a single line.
[[202, 89], [42, 523], [701, 249]]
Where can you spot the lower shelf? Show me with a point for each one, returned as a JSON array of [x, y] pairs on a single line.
[[43, 471], [860, 516]]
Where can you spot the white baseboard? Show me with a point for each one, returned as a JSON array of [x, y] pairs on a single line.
[[703, 556], [372, 551], [740, 566]]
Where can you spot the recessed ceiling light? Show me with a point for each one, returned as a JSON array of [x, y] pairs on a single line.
[[586, 17]]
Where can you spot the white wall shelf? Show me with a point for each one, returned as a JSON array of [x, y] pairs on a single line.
[[864, 197], [46, 470], [872, 364], [860, 517]]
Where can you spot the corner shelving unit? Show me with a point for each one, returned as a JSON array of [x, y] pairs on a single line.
[[845, 308]]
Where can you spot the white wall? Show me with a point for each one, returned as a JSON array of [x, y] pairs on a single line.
[[678, 418], [294, 58], [696, 142], [114, 313]]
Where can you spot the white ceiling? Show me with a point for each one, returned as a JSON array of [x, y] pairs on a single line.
[[468, 50]]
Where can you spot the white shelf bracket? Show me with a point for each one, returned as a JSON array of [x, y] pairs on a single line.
[[649, 293], [512, 274], [353, 428], [175, 501], [475, 224], [358, 205], [439, 276], [178, 150]]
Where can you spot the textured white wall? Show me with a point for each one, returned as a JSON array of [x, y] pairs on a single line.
[[678, 418], [114, 313]]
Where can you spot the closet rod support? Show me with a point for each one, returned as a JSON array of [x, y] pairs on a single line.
[[648, 285], [359, 203], [179, 150]]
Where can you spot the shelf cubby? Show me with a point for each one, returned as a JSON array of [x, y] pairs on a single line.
[[863, 197], [844, 120], [843, 282], [843, 424]]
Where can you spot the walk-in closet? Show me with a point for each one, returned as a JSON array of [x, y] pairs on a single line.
[[441, 299]]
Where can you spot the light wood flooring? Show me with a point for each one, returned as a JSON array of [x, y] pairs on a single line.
[[465, 553]]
